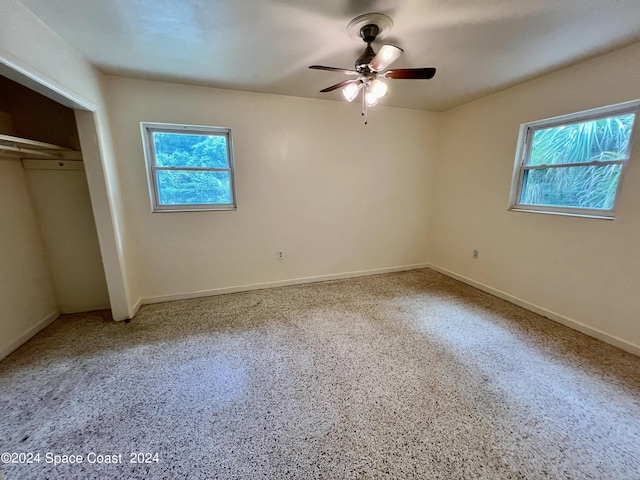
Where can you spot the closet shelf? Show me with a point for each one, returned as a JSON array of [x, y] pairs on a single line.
[[25, 148]]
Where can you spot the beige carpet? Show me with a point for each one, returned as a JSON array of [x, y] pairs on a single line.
[[407, 375]]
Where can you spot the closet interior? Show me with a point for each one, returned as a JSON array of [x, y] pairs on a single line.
[[50, 261]]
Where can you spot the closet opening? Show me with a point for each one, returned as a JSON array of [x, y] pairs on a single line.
[[49, 237]]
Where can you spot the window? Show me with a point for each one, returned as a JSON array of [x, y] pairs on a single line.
[[574, 164], [189, 167]]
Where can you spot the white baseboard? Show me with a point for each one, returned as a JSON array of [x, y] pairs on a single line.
[[82, 309], [556, 317], [279, 283], [131, 311], [28, 334], [134, 309]]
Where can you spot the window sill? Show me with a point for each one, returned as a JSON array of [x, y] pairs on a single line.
[[188, 208], [566, 214]]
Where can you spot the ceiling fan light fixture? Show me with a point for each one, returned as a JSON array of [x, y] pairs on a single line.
[[385, 57], [378, 88], [371, 99], [350, 92]]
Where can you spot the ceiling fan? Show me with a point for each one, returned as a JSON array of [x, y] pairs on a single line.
[[371, 66]]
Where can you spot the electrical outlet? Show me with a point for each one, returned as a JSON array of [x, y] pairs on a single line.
[[280, 254], [476, 254]]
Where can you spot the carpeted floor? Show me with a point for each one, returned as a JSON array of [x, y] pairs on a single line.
[[406, 375]]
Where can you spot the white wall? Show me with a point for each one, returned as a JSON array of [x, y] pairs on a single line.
[[583, 272], [62, 204], [27, 296], [337, 196], [32, 54]]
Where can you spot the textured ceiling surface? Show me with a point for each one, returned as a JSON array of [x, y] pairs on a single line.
[[478, 46]]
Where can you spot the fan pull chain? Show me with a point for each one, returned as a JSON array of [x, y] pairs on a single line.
[[364, 104]]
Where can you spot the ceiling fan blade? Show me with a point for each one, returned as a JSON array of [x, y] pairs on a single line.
[[338, 85], [411, 73], [385, 57], [334, 69]]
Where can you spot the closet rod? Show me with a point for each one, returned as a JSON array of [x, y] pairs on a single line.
[[24, 147], [30, 151], [32, 143]]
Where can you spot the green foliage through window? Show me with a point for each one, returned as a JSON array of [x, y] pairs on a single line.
[[179, 187], [188, 150], [191, 168], [577, 164], [585, 187]]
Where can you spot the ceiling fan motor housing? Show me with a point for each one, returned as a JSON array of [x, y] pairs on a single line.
[[368, 33], [363, 61]]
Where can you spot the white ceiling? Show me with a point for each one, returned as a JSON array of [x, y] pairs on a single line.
[[478, 46]]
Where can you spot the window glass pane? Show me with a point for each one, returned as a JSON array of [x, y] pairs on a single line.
[[602, 139], [190, 150], [579, 187], [179, 187]]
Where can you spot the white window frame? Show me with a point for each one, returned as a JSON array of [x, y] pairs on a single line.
[[523, 152], [148, 128]]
